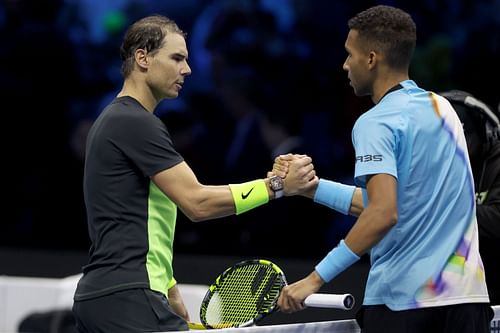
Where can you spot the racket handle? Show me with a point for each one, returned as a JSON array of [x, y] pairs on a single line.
[[337, 301]]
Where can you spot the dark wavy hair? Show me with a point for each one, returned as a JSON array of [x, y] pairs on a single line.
[[148, 33], [388, 30]]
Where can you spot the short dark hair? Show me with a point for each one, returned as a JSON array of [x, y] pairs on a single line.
[[389, 30], [147, 33]]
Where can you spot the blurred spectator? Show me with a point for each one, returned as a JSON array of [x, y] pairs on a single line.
[[482, 131]]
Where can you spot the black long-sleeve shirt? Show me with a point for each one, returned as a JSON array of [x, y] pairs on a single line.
[[488, 215]]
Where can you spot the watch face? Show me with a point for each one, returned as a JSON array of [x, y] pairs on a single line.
[[276, 183]]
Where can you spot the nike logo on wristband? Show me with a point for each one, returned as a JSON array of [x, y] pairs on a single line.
[[244, 196]]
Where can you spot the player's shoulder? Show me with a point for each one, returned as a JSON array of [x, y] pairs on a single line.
[[126, 104], [127, 109]]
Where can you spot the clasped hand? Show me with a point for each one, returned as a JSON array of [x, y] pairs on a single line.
[[297, 171]]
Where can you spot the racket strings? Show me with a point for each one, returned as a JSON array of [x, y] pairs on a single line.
[[242, 295]]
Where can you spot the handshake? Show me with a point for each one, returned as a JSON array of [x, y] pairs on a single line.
[[298, 174]]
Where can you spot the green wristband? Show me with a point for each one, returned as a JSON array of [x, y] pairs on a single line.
[[249, 195]]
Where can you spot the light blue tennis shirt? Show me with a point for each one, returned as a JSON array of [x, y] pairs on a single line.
[[431, 256]]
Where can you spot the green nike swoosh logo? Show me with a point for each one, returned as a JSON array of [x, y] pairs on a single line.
[[244, 196]]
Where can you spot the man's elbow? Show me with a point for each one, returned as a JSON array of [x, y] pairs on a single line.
[[388, 217], [392, 219], [196, 213]]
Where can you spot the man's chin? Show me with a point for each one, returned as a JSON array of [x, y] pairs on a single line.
[[354, 88], [172, 95]]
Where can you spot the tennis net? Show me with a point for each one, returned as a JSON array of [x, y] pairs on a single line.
[[336, 326]]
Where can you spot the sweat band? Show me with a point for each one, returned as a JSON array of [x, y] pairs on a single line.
[[336, 262], [334, 195], [249, 195]]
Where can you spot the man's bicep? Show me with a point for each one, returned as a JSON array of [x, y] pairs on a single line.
[[382, 190], [177, 182]]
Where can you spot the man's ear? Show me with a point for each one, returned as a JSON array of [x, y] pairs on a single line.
[[141, 58], [372, 59]]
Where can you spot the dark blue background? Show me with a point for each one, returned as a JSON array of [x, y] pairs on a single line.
[[262, 70]]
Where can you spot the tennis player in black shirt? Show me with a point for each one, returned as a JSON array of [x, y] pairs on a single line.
[[134, 181]]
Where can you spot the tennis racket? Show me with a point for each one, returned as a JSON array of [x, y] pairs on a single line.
[[248, 291]]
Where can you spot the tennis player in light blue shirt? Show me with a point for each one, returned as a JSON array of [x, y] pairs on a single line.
[[424, 260], [414, 195]]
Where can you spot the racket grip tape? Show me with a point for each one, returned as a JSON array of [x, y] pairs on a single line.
[[337, 301]]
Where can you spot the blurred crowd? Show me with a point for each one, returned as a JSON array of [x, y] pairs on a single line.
[[267, 79]]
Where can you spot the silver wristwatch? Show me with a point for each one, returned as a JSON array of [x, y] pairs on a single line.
[[276, 183]]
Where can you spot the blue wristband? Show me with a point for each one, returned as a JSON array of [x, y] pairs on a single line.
[[336, 262], [334, 195]]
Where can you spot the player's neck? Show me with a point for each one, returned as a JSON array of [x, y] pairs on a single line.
[[386, 82], [132, 89]]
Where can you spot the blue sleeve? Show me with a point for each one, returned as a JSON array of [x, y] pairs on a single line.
[[375, 145], [365, 197]]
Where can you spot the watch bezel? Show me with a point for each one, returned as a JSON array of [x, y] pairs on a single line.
[[276, 183]]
